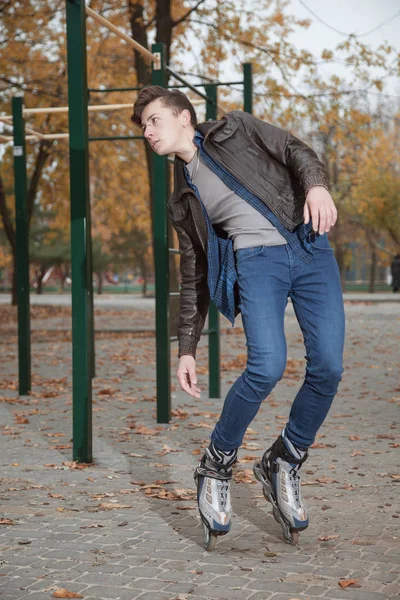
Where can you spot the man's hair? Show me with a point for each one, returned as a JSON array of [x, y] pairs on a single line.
[[176, 100]]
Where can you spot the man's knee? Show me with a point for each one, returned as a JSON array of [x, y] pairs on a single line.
[[263, 380], [326, 369]]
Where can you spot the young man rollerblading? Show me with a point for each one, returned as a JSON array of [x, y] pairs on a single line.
[[251, 209]]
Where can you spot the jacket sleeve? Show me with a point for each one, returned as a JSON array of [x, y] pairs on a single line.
[[194, 293], [288, 150]]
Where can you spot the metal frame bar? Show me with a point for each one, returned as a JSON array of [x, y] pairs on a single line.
[[82, 286], [137, 88], [214, 351], [22, 248], [148, 56], [161, 261]]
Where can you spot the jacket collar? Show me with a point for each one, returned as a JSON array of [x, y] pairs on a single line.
[[180, 182]]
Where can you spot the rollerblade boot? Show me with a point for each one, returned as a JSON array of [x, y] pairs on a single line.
[[212, 478], [278, 473]]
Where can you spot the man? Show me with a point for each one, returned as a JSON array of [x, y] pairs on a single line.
[[251, 208]]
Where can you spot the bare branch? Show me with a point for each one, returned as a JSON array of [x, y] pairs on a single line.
[[189, 12]]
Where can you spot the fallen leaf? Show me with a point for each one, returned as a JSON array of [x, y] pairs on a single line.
[[344, 583], [354, 438], [321, 445], [112, 505], [143, 430], [326, 538], [166, 450], [63, 593], [245, 476]]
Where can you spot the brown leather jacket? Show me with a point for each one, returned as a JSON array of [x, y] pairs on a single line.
[[273, 164]]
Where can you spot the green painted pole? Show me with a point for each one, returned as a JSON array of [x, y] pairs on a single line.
[[22, 247], [248, 87], [161, 261], [214, 358], [80, 231]]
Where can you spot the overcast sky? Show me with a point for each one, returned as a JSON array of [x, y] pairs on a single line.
[[348, 16]]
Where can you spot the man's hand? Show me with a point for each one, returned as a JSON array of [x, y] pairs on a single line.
[[187, 375], [321, 208]]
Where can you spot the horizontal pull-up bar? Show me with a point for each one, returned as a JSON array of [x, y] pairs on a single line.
[[8, 121], [65, 109], [35, 137], [146, 53], [138, 88]]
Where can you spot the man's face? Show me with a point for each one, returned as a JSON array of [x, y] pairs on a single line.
[[162, 128]]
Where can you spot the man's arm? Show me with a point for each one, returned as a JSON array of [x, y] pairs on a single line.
[[194, 294], [288, 150], [303, 163]]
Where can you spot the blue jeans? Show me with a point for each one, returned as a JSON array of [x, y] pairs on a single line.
[[267, 276]]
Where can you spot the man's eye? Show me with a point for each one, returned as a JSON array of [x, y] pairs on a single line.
[[155, 119]]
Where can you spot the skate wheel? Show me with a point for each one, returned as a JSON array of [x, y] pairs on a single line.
[[210, 540], [294, 537], [266, 496]]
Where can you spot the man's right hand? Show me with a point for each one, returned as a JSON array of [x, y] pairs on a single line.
[[187, 375]]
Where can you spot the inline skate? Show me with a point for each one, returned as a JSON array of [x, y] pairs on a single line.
[[278, 473], [212, 477]]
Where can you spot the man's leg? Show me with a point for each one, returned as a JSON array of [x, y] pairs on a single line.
[[318, 303], [317, 299], [264, 284]]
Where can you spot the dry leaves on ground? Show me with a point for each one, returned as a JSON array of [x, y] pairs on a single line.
[[63, 593], [344, 583]]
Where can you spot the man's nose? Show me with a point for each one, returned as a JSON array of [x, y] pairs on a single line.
[[147, 133]]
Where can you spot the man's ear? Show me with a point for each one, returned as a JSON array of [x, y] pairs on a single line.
[[185, 117]]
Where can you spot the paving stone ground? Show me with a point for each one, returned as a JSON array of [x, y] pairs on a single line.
[[126, 527]]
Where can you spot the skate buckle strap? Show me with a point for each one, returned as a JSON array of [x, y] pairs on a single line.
[[222, 475], [279, 450]]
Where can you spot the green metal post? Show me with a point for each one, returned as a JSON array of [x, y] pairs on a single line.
[[161, 260], [22, 247], [248, 87], [214, 359], [80, 231]]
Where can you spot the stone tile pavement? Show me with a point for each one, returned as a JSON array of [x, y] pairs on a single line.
[[126, 527]]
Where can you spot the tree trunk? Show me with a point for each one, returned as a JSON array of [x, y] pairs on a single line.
[[40, 273], [99, 282], [164, 28], [8, 224], [372, 271], [63, 277], [143, 270], [14, 294]]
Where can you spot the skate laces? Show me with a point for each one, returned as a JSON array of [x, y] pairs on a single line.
[[295, 479], [222, 492]]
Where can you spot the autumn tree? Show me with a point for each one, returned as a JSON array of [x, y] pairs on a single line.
[[207, 38]]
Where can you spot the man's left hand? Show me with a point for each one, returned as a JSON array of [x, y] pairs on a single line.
[[320, 207]]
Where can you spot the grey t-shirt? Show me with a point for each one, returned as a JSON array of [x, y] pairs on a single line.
[[242, 223]]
